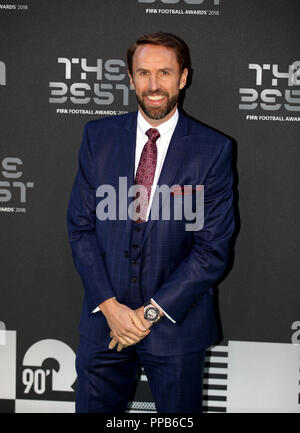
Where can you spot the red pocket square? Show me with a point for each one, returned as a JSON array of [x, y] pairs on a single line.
[[181, 190]]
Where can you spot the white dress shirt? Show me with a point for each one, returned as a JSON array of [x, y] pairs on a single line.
[[166, 130]]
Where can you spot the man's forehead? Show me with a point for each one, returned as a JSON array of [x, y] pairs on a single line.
[[147, 55]]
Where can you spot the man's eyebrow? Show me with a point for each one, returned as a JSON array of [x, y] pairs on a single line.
[[147, 70], [141, 70]]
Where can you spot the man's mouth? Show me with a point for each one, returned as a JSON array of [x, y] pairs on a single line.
[[155, 99]]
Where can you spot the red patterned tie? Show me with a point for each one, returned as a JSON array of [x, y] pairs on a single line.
[[146, 171]]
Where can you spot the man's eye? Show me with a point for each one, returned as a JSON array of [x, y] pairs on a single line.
[[165, 73], [143, 73]]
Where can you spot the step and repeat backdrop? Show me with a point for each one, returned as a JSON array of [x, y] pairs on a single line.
[[63, 63]]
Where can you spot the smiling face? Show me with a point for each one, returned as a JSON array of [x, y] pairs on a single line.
[[157, 81]]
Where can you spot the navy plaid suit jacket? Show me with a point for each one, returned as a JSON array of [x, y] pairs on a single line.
[[178, 268]]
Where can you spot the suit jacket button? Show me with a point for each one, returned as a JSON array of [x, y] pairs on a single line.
[[135, 246], [133, 279], [126, 253]]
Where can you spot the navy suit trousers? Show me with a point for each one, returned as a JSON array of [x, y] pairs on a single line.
[[106, 379]]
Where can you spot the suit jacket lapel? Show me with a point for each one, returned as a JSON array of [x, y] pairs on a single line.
[[129, 148], [128, 158]]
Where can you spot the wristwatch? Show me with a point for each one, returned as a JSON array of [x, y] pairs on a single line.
[[151, 313]]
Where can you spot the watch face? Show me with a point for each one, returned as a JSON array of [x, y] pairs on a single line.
[[151, 314]]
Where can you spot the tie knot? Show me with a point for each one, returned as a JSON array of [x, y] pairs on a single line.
[[153, 134]]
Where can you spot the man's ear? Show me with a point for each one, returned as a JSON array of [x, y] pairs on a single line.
[[183, 78], [131, 79]]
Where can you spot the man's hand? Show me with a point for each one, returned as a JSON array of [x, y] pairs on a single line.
[[126, 325], [145, 323]]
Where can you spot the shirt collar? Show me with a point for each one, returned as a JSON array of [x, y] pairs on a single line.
[[163, 129]]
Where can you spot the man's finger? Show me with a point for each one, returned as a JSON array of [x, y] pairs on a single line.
[[125, 340], [113, 343], [122, 341], [120, 347], [135, 337]]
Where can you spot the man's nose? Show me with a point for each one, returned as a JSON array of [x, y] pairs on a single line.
[[153, 83]]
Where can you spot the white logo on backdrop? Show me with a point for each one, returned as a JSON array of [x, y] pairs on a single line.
[[12, 190], [103, 84], [272, 91], [181, 7], [2, 74]]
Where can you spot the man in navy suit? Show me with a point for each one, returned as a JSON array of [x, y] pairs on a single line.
[[148, 282]]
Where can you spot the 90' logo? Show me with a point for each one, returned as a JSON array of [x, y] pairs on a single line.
[[40, 380]]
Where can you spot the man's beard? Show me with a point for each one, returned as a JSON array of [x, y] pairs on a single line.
[[157, 113]]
